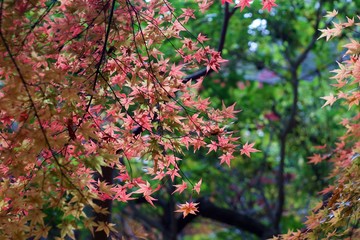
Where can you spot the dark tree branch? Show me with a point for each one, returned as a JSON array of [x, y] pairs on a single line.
[[315, 36], [241, 221], [100, 63], [151, 221], [168, 217], [203, 72], [107, 172], [107, 176], [290, 125]]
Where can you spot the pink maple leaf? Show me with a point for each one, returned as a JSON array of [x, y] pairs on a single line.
[[202, 38], [212, 146], [145, 189], [150, 200], [229, 112], [243, 3], [226, 158], [268, 4], [247, 149], [180, 187], [121, 195], [197, 186], [173, 173]]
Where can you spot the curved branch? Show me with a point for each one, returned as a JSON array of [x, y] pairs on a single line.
[[241, 221]]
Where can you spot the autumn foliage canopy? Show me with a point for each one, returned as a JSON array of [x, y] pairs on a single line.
[[88, 90], [86, 87]]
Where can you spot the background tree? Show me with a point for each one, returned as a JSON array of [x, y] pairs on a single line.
[[337, 216], [260, 77]]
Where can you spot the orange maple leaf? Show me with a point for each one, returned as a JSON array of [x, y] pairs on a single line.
[[315, 159], [188, 208]]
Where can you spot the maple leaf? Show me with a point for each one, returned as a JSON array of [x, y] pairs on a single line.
[[229, 112], [331, 14], [176, 71], [67, 230], [226, 1], [226, 158], [197, 186], [315, 159], [328, 33], [187, 208], [120, 194], [329, 100], [180, 187], [173, 173], [202, 38], [42, 232], [214, 62], [202, 104], [145, 189], [187, 14], [212, 146], [356, 71], [353, 47], [106, 227], [150, 200], [243, 3], [247, 149], [204, 5], [350, 22], [90, 224], [268, 4]]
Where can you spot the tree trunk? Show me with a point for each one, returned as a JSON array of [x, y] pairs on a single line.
[[107, 204]]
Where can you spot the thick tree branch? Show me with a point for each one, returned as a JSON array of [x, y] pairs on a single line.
[[241, 221], [151, 221], [290, 124], [168, 217]]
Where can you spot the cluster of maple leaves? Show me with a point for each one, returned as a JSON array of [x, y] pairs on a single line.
[[267, 4], [337, 216], [86, 85]]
